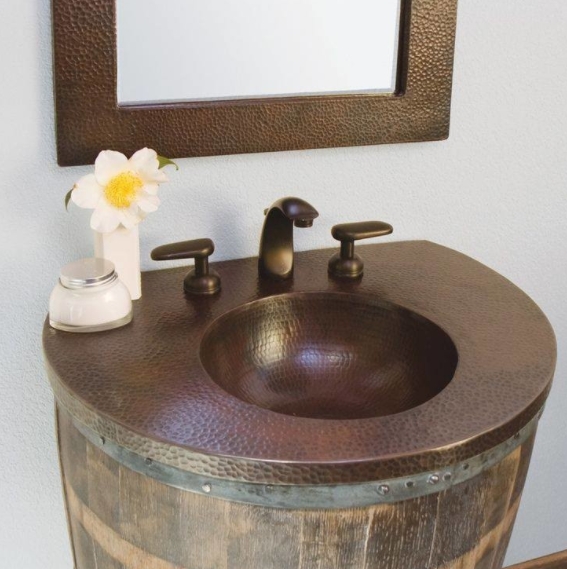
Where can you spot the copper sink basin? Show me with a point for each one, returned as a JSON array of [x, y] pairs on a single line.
[[210, 385], [328, 356]]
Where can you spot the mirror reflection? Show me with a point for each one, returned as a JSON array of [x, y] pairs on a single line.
[[184, 50]]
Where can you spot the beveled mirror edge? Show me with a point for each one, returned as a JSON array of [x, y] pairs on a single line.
[[89, 119]]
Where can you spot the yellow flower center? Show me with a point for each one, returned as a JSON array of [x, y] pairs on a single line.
[[122, 189]]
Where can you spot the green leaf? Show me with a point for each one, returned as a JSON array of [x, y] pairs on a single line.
[[163, 161], [68, 198]]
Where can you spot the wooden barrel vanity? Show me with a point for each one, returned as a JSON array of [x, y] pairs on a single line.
[[386, 423]]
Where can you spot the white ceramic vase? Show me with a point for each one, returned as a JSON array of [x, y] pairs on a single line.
[[122, 247]]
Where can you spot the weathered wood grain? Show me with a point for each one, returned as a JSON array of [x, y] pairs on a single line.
[[525, 457], [120, 519]]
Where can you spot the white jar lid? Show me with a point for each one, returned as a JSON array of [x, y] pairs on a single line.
[[88, 272]]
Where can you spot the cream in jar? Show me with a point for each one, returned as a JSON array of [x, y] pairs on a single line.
[[89, 297]]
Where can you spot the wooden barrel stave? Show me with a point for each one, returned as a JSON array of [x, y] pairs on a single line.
[[120, 519]]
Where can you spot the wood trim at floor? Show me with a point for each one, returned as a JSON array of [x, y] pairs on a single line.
[[555, 561]]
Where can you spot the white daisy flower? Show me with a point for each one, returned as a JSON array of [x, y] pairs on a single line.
[[120, 191]]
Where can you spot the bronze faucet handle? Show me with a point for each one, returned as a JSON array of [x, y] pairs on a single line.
[[200, 280], [347, 264], [194, 249], [360, 230]]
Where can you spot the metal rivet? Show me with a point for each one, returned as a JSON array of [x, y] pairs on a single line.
[[410, 484], [148, 461], [207, 488], [517, 436], [383, 489], [269, 488], [433, 479], [447, 476]]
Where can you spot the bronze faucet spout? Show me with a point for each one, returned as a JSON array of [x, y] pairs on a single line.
[[275, 259]]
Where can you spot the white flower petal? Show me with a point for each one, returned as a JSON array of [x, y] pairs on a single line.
[[105, 218], [146, 158], [129, 216], [157, 176], [146, 164], [87, 192], [150, 189], [108, 164], [148, 203]]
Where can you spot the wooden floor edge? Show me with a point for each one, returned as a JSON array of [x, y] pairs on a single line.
[[554, 561]]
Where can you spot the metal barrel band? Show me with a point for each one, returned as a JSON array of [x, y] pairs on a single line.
[[313, 496]]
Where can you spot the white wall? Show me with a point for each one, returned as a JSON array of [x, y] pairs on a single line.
[[497, 190]]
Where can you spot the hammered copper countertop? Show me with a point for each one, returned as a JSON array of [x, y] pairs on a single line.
[[143, 386]]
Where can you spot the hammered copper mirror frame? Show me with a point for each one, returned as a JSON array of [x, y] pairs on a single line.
[[89, 118]]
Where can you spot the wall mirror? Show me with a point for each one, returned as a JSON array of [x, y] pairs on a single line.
[[253, 49], [233, 76]]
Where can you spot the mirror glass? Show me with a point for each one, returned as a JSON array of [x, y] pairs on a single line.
[[189, 50]]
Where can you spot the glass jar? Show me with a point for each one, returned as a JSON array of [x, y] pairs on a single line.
[[89, 297]]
